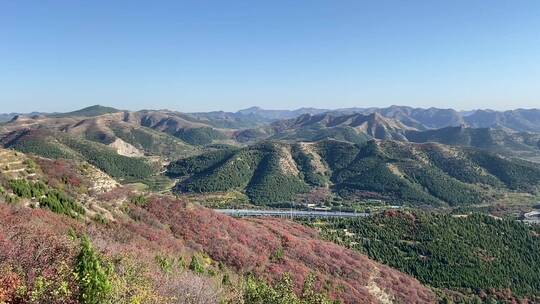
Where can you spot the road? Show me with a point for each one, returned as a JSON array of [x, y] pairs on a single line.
[[288, 213]]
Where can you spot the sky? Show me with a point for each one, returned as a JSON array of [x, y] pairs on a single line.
[[227, 55]]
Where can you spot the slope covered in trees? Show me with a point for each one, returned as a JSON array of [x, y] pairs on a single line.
[[355, 128], [200, 136], [259, 171], [152, 142], [167, 134], [138, 260], [518, 144], [430, 174], [59, 145], [90, 111], [466, 253]]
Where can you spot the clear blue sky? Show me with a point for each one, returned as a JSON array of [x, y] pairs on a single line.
[[211, 55]]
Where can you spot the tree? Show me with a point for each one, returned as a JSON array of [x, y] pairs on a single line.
[[93, 279]]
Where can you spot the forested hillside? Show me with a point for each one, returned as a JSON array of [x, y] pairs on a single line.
[[417, 174], [471, 254], [259, 171], [59, 145], [167, 134], [95, 110], [522, 144]]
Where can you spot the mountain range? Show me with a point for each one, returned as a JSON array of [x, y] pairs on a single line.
[[520, 120], [524, 120], [127, 192], [115, 140]]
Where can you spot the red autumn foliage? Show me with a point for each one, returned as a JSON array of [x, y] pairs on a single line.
[[61, 172], [34, 244], [34, 239], [115, 194], [9, 283], [37, 241], [251, 245]]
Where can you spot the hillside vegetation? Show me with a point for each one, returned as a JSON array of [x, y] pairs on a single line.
[[526, 145], [152, 142], [359, 128], [355, 126], [259, 170], [200, 136], [470, 254], [173, 135], [144, 248], [167, 134], [59, 145], [71, 233], [95, 110], [429, 174]]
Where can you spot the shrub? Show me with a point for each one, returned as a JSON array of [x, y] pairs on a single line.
[[23, 188], [99, 218], [55, 200], [59, 202], [170, 264], [196, 266], [139, 200], [259, 292], [92, 276], [9, 284]]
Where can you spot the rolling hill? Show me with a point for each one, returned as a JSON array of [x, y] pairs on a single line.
[[95, 110], [317, 150], [57, 145], [156, 133], [272, 115], [519, 120], [69, 168], [522, 144], [399, 172], [419, 118], [354, 128], [358, 128]]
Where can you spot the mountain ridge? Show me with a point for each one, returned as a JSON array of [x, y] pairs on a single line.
[[520, 120], [399, 172]]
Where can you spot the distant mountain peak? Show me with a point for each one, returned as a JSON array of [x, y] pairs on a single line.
[[17, 117], [98, 107], [251, 110], [91, 111]]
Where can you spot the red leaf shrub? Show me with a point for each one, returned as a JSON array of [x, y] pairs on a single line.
[[9, 283], [37, 242], [62, 172], [250, 245]]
